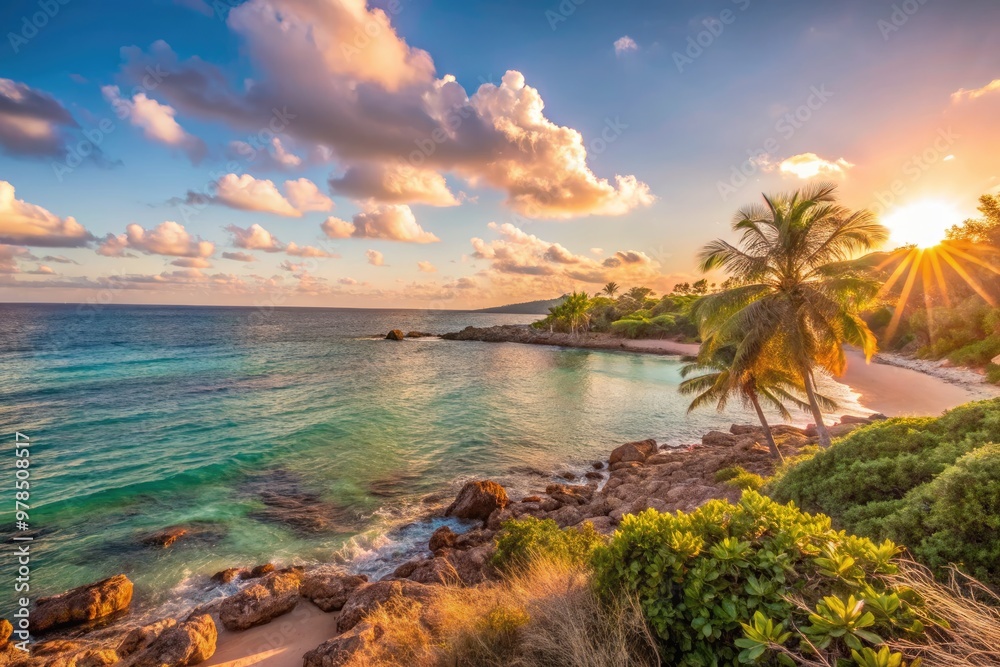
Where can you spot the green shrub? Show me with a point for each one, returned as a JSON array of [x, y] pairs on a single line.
[[978, 353], [993, 373], [726, 474], [740, 478], [520, 540], [724, 584], [877, 481]]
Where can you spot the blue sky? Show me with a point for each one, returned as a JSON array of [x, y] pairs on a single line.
[[895, 101]]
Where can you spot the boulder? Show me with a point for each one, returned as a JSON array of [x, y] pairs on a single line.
[[442, 538], [744, 429], [275, 594], [531, 499], [851, 419], [395, 334], [229, 574], [258, 571], [570, 494], [593, 474], [180, 645], [367, 597], [82, 605], [165, 537], [477, 500], [329, 590], [632, 451], [340, 650], [718, 438], [418, 334], [660, 459], [597, 465]]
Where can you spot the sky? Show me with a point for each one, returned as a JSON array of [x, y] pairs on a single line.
[[452, 155]]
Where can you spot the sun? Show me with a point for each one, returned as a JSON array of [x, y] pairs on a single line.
[[922, 223]]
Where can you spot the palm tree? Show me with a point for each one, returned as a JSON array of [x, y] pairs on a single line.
[[611, 289], [789, 296], [575, 309], [718, 382]]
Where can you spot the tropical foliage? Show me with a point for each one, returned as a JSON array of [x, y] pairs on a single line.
[[790, 309], [933, 484]]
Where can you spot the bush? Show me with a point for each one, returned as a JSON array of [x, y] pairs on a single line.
[[880, 481], [740, 478], [729, 584], [522, 540]]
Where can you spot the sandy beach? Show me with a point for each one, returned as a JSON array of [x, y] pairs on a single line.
[[280, 643]]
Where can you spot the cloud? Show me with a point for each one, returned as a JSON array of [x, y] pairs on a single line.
[[22, 223], [156, 120], [597, 251], [395, 184], [254, 237], [200, 6], [296, 250], [305, 196], [426, 267], [382, 101], [963, 95], [239, 256], [32, 122], [59, 259], [274, 158], [624, 44], [42, 270], [291, 266], [375, 258], [392, 222], [168, 238], [519, 255], [347, 281], [192, 263], [810, 165], [9, 255], [249, 194]]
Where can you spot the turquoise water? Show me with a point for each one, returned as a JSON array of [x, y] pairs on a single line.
[[291, 435]]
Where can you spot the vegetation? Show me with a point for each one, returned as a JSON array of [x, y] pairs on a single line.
[[790, 310], [932, 484], [520, 541]]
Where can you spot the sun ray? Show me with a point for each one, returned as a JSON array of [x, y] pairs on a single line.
[[898, 272], [904, 296], [939, 275], [970, 281]]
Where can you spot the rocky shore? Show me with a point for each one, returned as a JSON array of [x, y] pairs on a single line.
[[518, 333], [90, 626]]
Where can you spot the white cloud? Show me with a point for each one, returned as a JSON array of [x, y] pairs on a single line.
[[250, 194], [254, 237], [393, 222], [375, 258], [810, 165], [168, 238], [239, 256], [156, 120], [426, 267], [22, 223], [296, 250], [963, 95], [394, 184], [624, 44], [305, 196]]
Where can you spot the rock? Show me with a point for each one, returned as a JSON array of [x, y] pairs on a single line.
[[258, 571], [84, 604], [851, 419], [477, 500], [632, 451], [568, 476], [659, 459], [570, 494], [531, 499], [877, 417], [229, 574], [275, 594], [442, 538], [329, 590], [366, 597], [622, 465], [340, 650], [395, 334], [6, 629], [188, 643], [605, 525], [718, 438], [165, 537], [788, 429], [744, 429], [597, 465], [66, 654], [593, 474], [418, 334], [840, 430], [141, 637]]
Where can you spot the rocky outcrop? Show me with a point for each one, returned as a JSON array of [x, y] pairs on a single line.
[[82, 605], [418, 334], [632, 451], [367, 597], [275, 594], [395, 334], [477, 500], [165, 537], [442, 538], [718, 438], [341, 649], [330, 589], [177, 645]]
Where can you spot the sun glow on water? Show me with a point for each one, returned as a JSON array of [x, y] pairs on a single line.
[[923, 223]]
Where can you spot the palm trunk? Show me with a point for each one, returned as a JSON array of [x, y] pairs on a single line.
[[824, 435], [771, 444]]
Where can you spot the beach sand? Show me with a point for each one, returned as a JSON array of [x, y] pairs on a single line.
[[280, 643]]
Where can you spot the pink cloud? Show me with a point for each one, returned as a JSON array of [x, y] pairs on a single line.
[[22, 223], [392, 222]]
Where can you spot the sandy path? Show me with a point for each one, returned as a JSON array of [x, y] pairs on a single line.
[[280, 643]]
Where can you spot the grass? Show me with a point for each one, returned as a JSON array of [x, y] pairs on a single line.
[[545, 614]]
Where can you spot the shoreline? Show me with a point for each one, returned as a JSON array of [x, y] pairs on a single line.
[[891, 385]]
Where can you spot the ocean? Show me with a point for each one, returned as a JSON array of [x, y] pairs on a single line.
[[292, 435]]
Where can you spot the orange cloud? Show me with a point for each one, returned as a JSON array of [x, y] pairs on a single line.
[[22, 223], [392, 222], [810, 165], [168, 238], [963, 95]]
